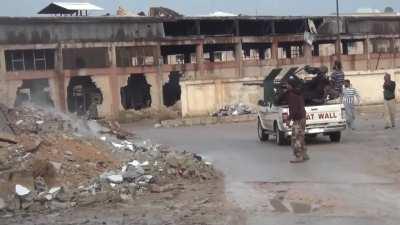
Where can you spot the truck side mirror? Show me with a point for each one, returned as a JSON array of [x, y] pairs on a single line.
[[261, 103]]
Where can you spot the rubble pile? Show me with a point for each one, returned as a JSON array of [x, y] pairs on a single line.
[[234, 110], [50, 161]]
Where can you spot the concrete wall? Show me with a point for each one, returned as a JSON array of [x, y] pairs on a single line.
[[369, 84], [202, 97], [63, 29]]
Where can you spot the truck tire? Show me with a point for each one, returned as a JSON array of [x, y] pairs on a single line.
[[261, 132], [335, 137], [280, 137]]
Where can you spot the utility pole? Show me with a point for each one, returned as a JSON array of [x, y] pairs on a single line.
[[338, 44]]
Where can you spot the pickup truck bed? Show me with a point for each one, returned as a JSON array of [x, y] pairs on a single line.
[[328, 119]]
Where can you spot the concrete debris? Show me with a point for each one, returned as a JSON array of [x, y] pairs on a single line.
[[8, 138], [234, 110], [21, 190], [76, 159], [116, 179], [40, 185], [3, 204]]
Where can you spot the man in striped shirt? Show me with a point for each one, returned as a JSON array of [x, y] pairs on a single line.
[[350, 97], [337, 76]]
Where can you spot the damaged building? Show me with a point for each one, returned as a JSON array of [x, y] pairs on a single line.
[[155, 62]]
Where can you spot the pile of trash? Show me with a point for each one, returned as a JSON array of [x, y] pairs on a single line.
[[234, 110], [51, 161]]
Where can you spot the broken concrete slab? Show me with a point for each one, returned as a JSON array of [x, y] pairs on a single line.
[[300, 207], [8, 138], [3, 204], [278, 206]]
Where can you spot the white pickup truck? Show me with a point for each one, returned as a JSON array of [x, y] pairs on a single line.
[[328, 119]]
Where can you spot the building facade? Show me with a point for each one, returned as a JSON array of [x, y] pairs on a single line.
[[134, 63]]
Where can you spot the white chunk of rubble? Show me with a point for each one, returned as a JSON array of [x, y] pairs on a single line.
[[54, 190], [21, 190], [116, 179]]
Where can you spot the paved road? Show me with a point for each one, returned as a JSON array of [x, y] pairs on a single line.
[[353, 182]]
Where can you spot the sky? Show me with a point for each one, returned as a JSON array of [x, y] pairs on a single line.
[[203, 7]]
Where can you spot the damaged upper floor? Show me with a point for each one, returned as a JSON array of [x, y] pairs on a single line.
[[37, 30]]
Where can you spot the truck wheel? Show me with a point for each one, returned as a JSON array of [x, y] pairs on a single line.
[[280, 137], [335, 137], [261, 132]]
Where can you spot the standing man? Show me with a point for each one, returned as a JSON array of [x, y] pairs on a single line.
[[350, 95], [337, 76], [297, 114], [389, 88]]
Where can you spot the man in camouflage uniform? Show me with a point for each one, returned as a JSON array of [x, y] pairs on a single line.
[[298, 143], [297, 114]]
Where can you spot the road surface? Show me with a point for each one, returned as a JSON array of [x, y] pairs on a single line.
[[352, 182]]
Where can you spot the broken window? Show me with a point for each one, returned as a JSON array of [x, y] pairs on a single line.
[[325, 49], [219, 53], [136, 94], [178, 54], [135, 56], [36, 91], [172, 89], [396, 45], [379, 46], [256, 51], [290, 50], [77, 58], [83, 96], [352, 47], [28, 60]]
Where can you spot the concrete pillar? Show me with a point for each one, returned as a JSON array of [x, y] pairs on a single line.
[[60, 80], [113, 82], [158, 101], [3, 78], [200, 59], [393, 53], [345, 47], [338, 50], [366, 44], [212, 56], [261, 53], [308, 53], [274, 49], [238, 59], [316, 49], [187, 59]]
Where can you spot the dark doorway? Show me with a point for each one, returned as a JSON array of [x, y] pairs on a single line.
[[83, 96], [136, 95], [35, 91], [172, 89]]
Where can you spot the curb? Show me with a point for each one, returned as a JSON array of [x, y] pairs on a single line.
[[206, 120]]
